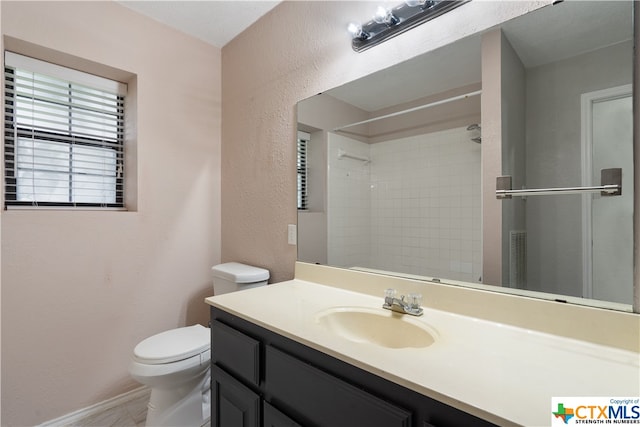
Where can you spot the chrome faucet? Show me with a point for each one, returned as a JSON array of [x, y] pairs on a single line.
[[410, 306]]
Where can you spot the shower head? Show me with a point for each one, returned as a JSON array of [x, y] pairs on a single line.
[[476, 127]]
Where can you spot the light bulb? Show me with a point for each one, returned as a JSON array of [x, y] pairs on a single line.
[[384, 16], [357, 32], [354, 29], [424, 4], [380, 15]]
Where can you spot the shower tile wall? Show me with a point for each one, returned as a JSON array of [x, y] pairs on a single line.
[[423, 209], [348, 204]]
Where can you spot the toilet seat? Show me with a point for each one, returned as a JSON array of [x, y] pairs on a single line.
[[173, 345]]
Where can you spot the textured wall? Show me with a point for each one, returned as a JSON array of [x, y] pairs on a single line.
[[298, 50], [81, 289], [554, 159], [512, 93]]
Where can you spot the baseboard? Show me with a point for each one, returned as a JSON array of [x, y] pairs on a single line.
[[114, 408]]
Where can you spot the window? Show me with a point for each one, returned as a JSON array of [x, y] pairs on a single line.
[[64, 136], [303, 140]]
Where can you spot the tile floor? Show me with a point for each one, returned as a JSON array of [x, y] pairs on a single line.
[[130, 414]]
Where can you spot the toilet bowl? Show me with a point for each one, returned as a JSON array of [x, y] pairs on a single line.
[[175, 364]]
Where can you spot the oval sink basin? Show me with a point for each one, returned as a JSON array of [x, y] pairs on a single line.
[[376, 326]]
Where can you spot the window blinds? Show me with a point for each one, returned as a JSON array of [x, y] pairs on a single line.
[[64, 133], [303, 140]]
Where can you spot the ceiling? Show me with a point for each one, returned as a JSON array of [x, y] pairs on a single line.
[[541, 37], [216, 22]]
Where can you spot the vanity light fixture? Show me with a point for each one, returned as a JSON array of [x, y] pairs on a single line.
[[388, 23]]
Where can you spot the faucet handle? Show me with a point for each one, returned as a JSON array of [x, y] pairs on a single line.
[[390, 293], [414, 300]]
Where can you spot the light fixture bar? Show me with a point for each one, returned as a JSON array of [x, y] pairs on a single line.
[[391, 22]]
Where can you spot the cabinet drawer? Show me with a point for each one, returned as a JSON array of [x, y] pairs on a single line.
[[236, 352], [316, 398]]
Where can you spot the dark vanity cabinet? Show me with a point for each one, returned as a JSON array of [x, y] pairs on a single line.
[[260, 378]]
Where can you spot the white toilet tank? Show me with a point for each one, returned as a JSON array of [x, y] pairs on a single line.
[[233, 276]]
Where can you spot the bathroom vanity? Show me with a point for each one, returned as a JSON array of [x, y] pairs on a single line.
[[255, 370], [307, 353]]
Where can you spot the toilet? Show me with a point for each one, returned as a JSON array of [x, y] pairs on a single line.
[[175, 364]]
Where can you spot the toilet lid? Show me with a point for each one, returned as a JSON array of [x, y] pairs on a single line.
[[171, 346]]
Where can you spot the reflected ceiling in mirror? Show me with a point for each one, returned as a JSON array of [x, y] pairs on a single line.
[[394, 160]]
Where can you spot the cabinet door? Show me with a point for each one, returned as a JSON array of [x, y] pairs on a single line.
[[275, 418], [232, 404], [317, 398]]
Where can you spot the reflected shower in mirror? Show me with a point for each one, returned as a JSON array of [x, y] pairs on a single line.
[[396, 161]]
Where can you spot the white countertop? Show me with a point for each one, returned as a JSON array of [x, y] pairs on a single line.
[[504, 374]]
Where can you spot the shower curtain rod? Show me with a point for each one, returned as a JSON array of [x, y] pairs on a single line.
[[410, 110]]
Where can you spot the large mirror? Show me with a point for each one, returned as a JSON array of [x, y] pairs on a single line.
[[397, 170]]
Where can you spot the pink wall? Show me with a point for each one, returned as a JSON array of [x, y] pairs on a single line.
[[80, 289], [298, 50]]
